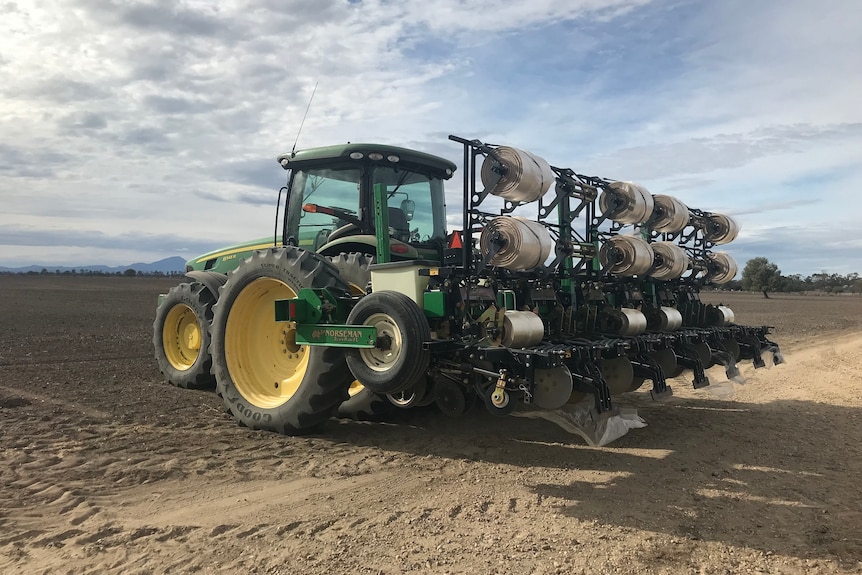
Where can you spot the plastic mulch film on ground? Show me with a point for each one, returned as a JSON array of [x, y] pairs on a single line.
[[722, 389], [581, 419]]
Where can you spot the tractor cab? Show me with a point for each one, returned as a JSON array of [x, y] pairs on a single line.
[[330, 206]]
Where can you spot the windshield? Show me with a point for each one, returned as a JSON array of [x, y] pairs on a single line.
[[417, 209], [415, 201], [336, 188]]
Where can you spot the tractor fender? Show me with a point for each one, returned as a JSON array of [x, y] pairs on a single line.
[[211, 280]]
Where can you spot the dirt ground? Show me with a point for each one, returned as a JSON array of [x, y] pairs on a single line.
[[106, 469]]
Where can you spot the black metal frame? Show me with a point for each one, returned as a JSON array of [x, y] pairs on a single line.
[[585, 292]]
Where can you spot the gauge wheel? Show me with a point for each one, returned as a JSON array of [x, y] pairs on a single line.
[[399, 360], [363, 404]]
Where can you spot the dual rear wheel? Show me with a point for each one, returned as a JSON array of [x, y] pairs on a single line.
[[181, 336]]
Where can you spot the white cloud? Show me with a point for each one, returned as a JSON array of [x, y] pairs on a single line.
[[163, 119]]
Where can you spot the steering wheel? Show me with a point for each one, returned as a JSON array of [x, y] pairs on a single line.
[[338, 213], [354, 225]]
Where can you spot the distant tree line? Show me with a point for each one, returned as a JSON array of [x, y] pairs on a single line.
[[762, 275], [96, 273], [759, 274]]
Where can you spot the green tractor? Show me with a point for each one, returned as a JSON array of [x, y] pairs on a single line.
[[548, 302], [340, 230]]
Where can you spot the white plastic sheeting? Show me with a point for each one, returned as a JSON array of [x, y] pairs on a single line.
[[581, 419]]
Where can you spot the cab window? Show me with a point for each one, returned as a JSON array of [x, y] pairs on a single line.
[[337, 188], [416, 206]]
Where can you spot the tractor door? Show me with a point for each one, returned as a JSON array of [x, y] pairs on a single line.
[[416, 205], [330, 188]]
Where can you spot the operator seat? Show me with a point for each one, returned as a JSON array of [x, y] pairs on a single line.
[[398, 222]]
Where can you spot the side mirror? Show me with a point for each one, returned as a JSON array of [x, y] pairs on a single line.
[[408, 207]]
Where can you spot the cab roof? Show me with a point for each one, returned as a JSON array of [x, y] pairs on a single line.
[[350, 153]]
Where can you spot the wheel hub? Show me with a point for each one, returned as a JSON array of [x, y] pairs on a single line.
[[388, 346], [181, 337], [264, 360], [192, 336]]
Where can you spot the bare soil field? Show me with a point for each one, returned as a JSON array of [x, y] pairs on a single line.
[[104, 468]]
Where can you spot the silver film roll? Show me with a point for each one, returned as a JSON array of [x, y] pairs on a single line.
[[671, 215], [526, 179], [626, 203], [525, 244], [632, 255], [522, 329], [671, 261]]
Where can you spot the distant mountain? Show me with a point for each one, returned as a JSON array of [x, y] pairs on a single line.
[[175, 264], [167, 265]]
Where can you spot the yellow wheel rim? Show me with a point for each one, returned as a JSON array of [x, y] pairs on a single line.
[[264, 361], [355, 388], [181, 337]]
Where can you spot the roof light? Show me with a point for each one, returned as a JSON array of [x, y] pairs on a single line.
[[356, 155], [393, 158], [284, 162], [375, 156]]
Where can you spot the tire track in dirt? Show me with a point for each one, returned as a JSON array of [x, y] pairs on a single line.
[[104, 468], [139, 469], [125, 473], [76, 361]]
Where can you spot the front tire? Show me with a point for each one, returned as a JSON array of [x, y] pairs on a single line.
[[181, 336], [266, 379]]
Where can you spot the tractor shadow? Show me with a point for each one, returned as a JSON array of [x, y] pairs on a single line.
[[777, 477]]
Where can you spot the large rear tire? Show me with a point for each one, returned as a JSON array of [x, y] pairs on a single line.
[[181, 336], [354, 270], [266, 379], [364, 405]]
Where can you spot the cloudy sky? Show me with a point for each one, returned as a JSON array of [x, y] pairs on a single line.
[[133, 131]]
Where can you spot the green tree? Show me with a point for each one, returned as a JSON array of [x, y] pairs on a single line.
[[793, 283], [761, 275]]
